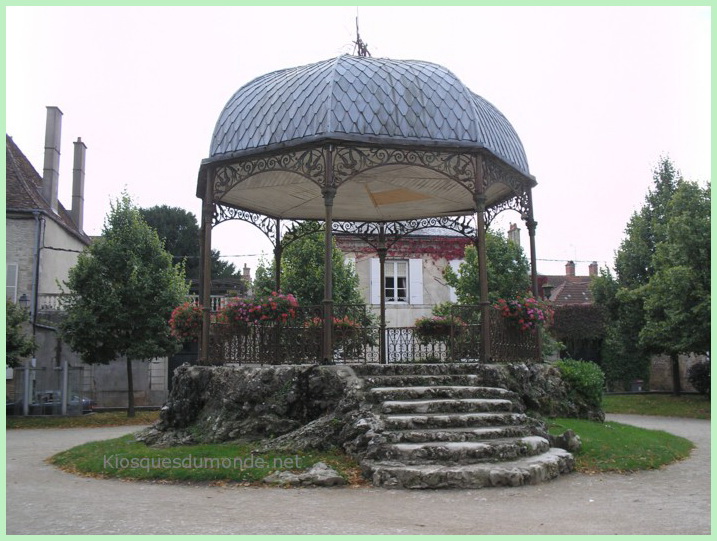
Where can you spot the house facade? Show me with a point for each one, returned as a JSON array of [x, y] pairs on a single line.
[[414, 267], [43, 242]]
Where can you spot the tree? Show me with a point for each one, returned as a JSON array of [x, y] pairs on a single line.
[[17, 343], [622, 359], [121, 293], [677, 296], [661, 295], [302, 273], [508, 271], [179, 230], [634, 259]]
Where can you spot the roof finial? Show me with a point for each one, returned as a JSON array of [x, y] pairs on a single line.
[[360, 45]]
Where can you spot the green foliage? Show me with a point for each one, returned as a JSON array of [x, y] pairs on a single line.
[[18, 344], [179, 231], [660, 300], [634, 259], [224, 462], [302, 273], [699, 377], [122, 291], [615, 447], [677, 296], [508, 271], [663, 405], [579, 322], [585, 379], [96, 419]]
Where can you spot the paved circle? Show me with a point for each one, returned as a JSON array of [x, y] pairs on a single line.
[[44, 500]]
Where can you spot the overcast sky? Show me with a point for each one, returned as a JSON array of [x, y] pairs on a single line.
[[596, 94]]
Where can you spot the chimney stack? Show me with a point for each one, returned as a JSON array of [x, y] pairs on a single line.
[[51, 168], [514, 234], [246, 273], [593, 268], [78, 184], [570, 268]]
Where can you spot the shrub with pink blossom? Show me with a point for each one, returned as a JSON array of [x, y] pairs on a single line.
[[274, 308], [527, 312], [186, 321]]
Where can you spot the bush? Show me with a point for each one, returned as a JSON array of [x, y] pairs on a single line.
[[186, 321], [437, 328], [699, 377], [584, 379]]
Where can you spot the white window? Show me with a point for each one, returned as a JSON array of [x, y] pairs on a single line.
[[11, 282], [396, 281], [403, 281]]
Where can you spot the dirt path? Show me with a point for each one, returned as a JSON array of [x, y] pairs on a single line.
[[43, 500]]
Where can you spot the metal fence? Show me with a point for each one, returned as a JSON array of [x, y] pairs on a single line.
[[356, 340], [43, 389]]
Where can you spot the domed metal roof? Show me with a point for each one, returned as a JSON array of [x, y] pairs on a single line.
[[362, 99]]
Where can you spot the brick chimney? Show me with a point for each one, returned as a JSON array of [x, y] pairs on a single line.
[[246, 273], [78, 184], [51, 167], [593, 268], [570, 268]]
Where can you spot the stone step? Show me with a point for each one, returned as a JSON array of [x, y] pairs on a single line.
[[462, 452], [524, 471], [451, 420], [456, 434], [383, 394], [411, 369], [458, 405], [420, 380]]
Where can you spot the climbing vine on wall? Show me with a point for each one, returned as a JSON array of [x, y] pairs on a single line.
[[448, 248]]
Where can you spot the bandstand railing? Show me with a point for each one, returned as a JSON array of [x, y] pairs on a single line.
[[356, 340]]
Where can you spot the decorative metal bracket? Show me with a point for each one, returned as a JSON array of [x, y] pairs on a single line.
[[520, 203]]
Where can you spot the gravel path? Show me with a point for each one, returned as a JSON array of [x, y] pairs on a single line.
[[43, 500]]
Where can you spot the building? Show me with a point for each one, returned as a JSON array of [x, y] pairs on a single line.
[[43, 241], [414, 268], [569, 288]]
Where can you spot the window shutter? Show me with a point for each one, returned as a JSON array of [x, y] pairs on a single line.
[[374, 282], [455, 264], [415, 281]]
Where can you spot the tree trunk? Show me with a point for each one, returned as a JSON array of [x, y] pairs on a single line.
[[676, 385], [130, 390]]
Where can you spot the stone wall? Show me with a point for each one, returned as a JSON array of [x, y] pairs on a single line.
[[661, 372], [318, 407]]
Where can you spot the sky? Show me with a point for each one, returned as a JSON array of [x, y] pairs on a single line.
[[597, 95]]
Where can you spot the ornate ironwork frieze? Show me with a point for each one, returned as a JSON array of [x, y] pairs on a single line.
[[307, 163], [349, 161]]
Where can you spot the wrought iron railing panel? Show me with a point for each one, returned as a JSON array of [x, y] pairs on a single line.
[[509, 343], [356, 340]]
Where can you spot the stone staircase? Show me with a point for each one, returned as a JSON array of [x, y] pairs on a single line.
[[443, 429]]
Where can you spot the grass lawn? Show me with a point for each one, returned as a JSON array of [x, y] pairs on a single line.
[[615, 447], [607, 447], [125, 458], [665, 405], [83, 421]]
